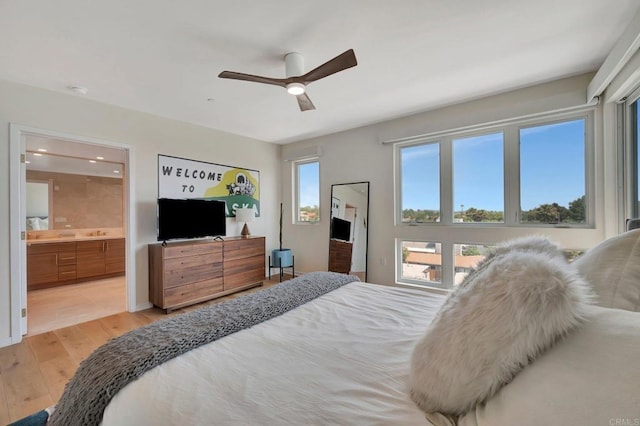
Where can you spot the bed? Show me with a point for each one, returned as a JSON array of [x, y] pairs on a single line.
[[326, 349]]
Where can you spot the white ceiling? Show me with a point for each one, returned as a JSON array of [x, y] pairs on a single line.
[[163, 56]]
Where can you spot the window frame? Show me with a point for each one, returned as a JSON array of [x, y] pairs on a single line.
[[511, 170], [447, 232], [296, 190], [628, 156]]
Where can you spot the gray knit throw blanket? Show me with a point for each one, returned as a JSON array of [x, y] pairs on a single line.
[[123, 359]]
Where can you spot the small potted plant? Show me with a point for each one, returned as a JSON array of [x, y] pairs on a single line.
[[282, 257]]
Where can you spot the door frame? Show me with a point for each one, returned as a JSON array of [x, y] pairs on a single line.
[[17, 223]]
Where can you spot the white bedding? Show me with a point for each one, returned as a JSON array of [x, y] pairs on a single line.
[[340, 359]]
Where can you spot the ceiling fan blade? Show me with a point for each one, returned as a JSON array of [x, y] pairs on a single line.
[[337, 64], [255, 78], [304, 102]]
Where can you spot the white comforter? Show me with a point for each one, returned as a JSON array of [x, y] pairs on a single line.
[[342, 359]]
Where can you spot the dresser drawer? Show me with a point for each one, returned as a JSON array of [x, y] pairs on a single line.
[[50, 248], [191, 249], [240, 249], [192, 293], [179, 277], [66, 272], [67, 258], [241, 272], [191, 261]]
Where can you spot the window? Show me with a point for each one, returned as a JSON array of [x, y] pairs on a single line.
[[541, 169], [478, 178], [632, 155], [422, 262], [552, 173], [635, 125], [307, 179], [485, 184], [465, 258], [420, 165]]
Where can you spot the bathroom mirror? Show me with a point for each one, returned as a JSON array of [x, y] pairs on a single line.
[[64, 192], [348, 230], [39, 203]]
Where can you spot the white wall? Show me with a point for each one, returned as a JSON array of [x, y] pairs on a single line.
[[148, 135], [358, 155]]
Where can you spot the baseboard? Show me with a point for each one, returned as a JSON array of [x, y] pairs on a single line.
[[143, 306], [6, 342]]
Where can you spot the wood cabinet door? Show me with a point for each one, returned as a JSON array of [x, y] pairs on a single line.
[[42, 268], [115, 256], [90, 258]]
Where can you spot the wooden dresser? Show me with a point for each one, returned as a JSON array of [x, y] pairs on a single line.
[[188, 272], [340, 256]]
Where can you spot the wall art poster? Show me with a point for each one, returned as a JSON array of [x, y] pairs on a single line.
[[182, 178]]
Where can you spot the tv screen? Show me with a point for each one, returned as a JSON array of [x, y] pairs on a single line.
[[340, 229], [190, 218]]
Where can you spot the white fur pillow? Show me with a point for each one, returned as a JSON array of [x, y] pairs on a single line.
[[613, 270], [512, 307]]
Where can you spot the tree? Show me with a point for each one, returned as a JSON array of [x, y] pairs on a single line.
[[405, 254], [577, 210], [470, 251], [480, 215], [544, 213], [555, 213]]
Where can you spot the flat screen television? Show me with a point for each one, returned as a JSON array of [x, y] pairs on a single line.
[[340, 229], [190, 218]]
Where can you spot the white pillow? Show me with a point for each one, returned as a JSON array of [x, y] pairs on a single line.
[[520, 300], [33, 224], [590, 378], [613, 270]]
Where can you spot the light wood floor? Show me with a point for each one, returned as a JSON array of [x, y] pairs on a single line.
[[58, 307], [33, 373]]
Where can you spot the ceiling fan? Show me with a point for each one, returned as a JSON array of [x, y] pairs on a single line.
[[296, 82]]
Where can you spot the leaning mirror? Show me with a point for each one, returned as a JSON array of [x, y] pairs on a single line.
[[348, 228]]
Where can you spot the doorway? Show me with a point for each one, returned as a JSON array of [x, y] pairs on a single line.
[[88, 166]]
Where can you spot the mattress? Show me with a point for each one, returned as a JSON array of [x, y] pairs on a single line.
[[341, 359]]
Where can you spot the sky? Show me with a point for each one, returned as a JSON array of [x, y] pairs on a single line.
[[552, 169], [309, 181]]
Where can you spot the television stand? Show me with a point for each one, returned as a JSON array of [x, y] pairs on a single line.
[[183, 273]]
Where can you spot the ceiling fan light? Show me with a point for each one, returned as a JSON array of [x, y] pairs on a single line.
[[296, 88]]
